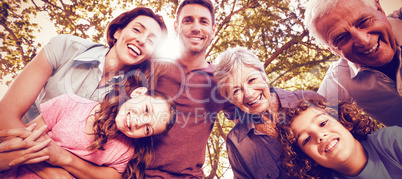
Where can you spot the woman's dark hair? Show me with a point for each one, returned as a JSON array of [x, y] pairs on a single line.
[[295, 161], [121, 21], [105, 126]]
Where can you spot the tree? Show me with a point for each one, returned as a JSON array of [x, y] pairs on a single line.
[[272, 29], [87, 19]]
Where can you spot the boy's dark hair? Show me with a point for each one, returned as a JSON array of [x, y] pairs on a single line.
[[206, 3], [296, 162]]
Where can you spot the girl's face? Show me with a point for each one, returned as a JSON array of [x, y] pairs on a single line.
[[137, 41], [324, 139], [248, 90], [143, 115]]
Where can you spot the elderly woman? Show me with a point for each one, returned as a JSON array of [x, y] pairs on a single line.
[[253, 147]]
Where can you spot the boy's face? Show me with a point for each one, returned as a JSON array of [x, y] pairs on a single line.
[[324, 139], [143, 116], [195, 28]]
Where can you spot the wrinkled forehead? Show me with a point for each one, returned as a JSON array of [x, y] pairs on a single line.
[[345, 12], [241, 72]]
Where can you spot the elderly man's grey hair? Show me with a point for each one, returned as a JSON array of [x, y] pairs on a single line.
[[234, 59], [316, 9]]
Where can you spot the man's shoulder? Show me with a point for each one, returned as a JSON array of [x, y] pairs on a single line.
[[72, 39], [339, 69], [386, 135], [340, 64]]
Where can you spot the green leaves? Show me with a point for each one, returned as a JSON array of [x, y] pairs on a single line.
[[272, 29]]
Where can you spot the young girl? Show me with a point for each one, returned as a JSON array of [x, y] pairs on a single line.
[[320, 141], [101, 132]]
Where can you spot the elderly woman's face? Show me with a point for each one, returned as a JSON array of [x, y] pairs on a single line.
[[248, 90]]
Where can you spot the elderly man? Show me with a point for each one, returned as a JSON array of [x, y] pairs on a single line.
[[369, 44]]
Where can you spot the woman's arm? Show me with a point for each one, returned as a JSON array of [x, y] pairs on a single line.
[[23, 92]]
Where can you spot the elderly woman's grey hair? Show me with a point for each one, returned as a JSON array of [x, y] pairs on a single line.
[[315, 9], [233, 59]]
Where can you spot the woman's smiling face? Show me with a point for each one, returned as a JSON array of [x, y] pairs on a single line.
[[137, 41], [248, 90]]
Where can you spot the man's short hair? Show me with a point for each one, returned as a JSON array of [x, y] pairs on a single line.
[[206, 3], [316, 9]]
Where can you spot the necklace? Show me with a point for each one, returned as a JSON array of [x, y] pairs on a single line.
[[269, 129], [270, 118]]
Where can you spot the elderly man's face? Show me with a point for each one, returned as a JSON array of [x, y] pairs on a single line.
[[358, 33]]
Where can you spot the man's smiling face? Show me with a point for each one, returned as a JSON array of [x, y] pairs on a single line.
[[195, 28], [358, 33]]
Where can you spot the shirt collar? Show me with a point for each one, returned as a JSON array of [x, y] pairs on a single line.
[[88, 56], [395, 20], [354, 68], [209, 69]]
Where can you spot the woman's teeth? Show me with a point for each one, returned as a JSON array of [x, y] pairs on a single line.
[[253, 102], [134, 49]]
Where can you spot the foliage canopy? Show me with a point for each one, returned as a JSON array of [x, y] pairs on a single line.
[[272, 29]]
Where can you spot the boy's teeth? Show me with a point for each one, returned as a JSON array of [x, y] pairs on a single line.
[[195, 38], [332, 144], [134, 49]]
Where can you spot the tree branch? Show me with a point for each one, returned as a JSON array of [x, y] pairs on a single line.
[[224, 23], [17, 42], [284, 47], [220, 130]]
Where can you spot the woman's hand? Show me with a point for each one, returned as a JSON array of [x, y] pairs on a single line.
[[20, 147]]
